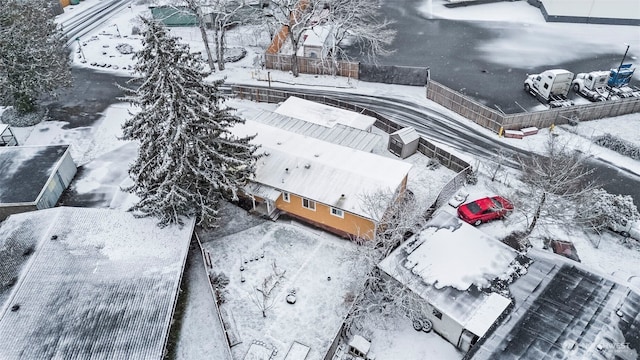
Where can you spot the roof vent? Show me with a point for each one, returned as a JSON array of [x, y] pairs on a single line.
[[307, 165], [54, 237], [286, 169], [266, 153], [316, 155]]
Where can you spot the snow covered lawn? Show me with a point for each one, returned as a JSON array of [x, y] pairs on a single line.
[[316, 268]]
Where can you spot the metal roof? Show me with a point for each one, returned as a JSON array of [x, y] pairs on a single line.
[[407, 134], [339, 134], [25, 171], [100, 284], [322, 171], [324, 115], [564, 311]]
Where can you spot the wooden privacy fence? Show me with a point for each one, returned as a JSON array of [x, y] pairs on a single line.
[[493, 120], [469, 108], [586, 112], [425, 147], [316, 66]]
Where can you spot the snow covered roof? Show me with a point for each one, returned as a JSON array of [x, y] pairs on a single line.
[[324, 115], [407, 134], [454, 253], [489, 310], [563, 310], [322, 171], [317, 35], [442, 262], [96, 283], [25, 170], [359, 343], [597, 9], [338, 134]]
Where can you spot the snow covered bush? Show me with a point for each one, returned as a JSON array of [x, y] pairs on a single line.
[[618, 145], [188, 159], [11, 117], [600, 210]]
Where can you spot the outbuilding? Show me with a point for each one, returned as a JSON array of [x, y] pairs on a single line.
[[404, 142], [33, 177]]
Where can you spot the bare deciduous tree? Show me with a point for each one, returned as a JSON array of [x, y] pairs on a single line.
[[196, 7], [554, 183], [381, 296], [355, 21], [262, 294]]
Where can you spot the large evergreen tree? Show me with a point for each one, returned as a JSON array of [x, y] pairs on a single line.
[[188, 159], [33, 59]]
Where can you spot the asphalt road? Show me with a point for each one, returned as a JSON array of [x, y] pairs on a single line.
[[90, 94], [451, 49], [440, 127]]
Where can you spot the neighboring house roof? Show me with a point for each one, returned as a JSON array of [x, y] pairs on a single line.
[[322, 171], [597, 11], [442, 262], [407, 134], [338, 134], [25, 170], [324, 115], [450, 252], [317, 35], [564, 311], [90, 283]]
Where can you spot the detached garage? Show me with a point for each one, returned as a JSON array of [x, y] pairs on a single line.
[[33, 177]]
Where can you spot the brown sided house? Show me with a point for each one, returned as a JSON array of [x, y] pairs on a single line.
[[322, 183]]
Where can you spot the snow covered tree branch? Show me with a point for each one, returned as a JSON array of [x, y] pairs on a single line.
[[554, 183], [33, 59], [188, 158], [350, 21]]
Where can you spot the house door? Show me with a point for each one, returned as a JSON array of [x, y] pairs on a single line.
[[467, 339]]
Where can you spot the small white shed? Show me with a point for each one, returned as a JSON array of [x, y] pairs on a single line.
[[404, 142]]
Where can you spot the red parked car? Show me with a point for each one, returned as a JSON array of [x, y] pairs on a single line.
[[486, 209]]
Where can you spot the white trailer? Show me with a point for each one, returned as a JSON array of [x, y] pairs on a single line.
[[592, 85], [550, 86]]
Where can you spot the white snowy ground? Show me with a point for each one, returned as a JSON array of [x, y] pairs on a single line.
[[98, 148]]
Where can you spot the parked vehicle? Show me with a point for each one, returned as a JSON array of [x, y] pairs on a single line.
[[550, 86], [486, 209], [628, 229], [619, 80], [592, 85]]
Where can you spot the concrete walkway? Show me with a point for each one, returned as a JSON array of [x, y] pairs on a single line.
[[201, 333]]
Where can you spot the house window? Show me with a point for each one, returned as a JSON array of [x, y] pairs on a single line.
[[437, 314], [308, 204], [285, 197], [337, 212]]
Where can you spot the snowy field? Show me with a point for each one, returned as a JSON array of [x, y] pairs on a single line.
[[310, 256]]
